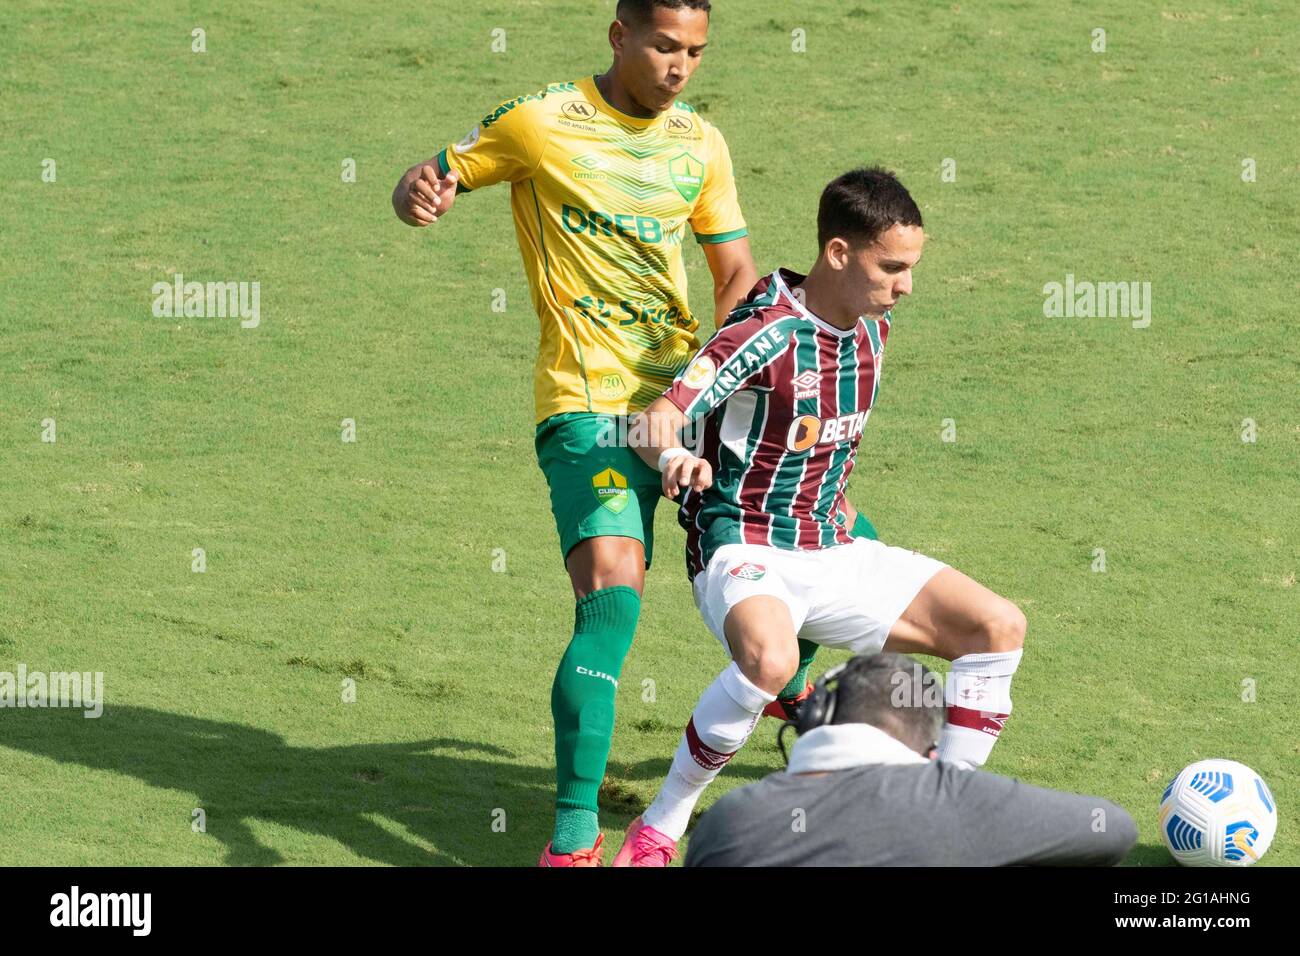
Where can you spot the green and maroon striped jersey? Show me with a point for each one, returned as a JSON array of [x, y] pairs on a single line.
[[784, 397]]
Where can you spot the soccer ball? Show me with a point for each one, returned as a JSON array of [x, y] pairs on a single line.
[[1217, 813]]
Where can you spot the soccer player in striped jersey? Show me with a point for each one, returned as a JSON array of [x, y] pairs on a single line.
[[608, 173], [784, 390]]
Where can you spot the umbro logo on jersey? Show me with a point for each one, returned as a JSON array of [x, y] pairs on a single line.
[[591, 161], [808, 430], [748, 572], [808, 385], [593, 167]]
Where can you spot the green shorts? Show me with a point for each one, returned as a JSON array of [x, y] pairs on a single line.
[[598, 485]]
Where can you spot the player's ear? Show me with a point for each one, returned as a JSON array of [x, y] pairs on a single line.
[[836, 253]]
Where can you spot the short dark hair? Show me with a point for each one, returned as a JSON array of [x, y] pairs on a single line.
[[639, 12], [900, 696], [862, 204]]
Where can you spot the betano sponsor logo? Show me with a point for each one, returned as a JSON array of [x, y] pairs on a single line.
[[809, 430]]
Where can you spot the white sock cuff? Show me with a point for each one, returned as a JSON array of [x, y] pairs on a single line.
[[996, 664], [743, 691], [965, 745]]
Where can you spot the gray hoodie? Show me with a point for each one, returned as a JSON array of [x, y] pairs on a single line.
[[882, 804]]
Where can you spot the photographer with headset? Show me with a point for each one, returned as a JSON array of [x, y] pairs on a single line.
[[863, 788]]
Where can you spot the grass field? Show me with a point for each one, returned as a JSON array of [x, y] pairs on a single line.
[[374, 560]]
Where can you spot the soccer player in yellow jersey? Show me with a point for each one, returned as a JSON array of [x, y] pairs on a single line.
[[609, 176]]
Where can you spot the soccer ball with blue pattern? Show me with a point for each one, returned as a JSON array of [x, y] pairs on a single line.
[[1217, 813]]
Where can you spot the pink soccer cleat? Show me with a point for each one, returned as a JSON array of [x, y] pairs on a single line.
[[646, 846], [576, 858]]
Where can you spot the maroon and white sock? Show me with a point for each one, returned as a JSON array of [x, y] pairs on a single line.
[[723, 720], [978, 695]]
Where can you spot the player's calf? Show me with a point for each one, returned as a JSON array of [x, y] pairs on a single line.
[[978, 689], [982, 633], [760, 633]]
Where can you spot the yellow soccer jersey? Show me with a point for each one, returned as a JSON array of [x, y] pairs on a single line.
[[601, 203]]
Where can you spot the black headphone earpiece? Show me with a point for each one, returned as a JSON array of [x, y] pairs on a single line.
[[818, 710]]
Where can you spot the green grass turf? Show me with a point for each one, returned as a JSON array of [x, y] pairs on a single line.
[[373, 560]]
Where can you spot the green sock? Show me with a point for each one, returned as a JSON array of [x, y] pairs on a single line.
[[582, 703], [574, 830], [862, 528], [807, 651]]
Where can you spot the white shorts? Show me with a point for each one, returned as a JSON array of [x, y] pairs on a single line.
[[846, 596]]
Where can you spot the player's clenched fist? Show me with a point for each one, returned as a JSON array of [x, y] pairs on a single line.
[[686, 471], [422, 195]]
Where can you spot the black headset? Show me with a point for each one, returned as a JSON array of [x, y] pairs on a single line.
[[818, 710]]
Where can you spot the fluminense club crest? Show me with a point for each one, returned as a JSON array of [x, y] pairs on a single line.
[[748, 571]]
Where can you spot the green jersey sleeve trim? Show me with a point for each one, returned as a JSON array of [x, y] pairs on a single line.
[[723, 236], [444, 169]]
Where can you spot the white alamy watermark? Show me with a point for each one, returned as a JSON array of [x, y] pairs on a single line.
[[208, 300], [75, 689], [639, 431], [130, 910], [1099, 300]]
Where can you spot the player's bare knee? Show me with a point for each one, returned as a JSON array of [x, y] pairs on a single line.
[[1004, 628], [776, 667]]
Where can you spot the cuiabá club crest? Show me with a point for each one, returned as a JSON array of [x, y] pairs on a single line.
[[687, 174], [611, 490]]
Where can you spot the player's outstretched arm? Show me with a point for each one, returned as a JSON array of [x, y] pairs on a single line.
[[422, 195], [734, 274], [659, 429]]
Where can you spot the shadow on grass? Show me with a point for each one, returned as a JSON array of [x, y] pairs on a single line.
[[1149, 854], [429, 802]]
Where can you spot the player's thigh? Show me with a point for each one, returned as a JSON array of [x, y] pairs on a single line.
[[861, 590], [602, 493], [746, 601], [952, 615]]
